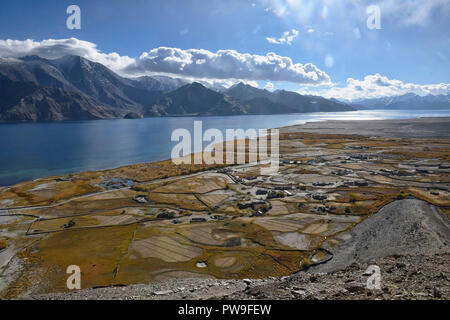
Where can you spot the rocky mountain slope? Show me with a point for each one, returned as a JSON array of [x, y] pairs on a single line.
[[290, 100], [116, 96], [29, 101], [195, 99]]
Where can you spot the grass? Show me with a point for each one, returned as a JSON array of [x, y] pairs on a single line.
[[3, 244]]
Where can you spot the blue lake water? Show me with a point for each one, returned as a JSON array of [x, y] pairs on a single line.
[[35, 150]]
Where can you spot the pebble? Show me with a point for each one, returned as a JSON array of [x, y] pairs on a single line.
[[163, 292]]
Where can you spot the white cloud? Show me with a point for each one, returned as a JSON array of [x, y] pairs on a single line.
[[286, 38], [227, 64], [378, 86], [190, 63], [269, 86], [53, 48], [220, 85]]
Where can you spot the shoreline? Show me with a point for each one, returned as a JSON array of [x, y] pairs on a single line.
[[309, 126]]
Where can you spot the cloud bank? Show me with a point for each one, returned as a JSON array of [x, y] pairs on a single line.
[[227, 64], [378, 86], [192, 63], [57, 48]]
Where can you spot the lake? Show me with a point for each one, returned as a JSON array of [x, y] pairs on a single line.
[[42, 149]]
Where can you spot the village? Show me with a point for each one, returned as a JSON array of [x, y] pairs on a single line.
[[157, 221]]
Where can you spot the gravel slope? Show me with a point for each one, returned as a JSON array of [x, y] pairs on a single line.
[[408, 226]]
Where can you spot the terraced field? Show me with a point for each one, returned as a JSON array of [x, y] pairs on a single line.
[[155, 221]]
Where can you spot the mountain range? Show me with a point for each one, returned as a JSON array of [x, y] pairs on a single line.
[[408, 101], [71, 88]]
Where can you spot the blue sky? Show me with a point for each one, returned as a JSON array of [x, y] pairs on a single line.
[[410, 53]]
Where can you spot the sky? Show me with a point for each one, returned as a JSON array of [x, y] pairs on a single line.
[[333, 48]]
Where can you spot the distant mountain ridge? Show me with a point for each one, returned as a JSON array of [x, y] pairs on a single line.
[[71, 88], [292, 101], [407, 101]]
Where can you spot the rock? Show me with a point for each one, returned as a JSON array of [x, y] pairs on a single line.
[[218, 217], [253, 292], [257, 214], [162, 292], [424, 171], [197, 220], [247, 281], [319, 196], [322, 184], [404, 174], [255, 205], [361, 183], [261, 192], [275, 194], [283, 188], [69, 224], [342, 172], [233, 242], [299, 292], [436, 293], [360, 156], [355, 287], [166, 215], [117, 183], [141, 199], [132, 115], [201, 264]]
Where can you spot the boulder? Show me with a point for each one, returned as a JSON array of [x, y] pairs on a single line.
[[319, 196], [141, 199], [166, 215]]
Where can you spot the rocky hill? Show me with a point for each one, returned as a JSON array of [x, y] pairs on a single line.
[[292, 101], [101, 93], [29, 101]]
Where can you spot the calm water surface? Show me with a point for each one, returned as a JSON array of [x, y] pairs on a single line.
[[35, 150]]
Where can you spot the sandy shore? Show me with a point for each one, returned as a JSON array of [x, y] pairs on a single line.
[[404, 128]]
